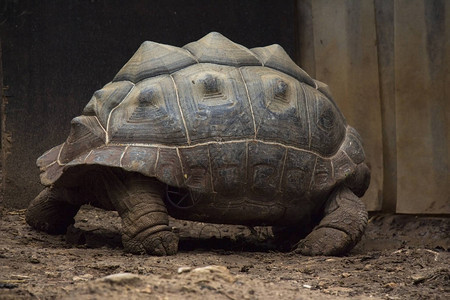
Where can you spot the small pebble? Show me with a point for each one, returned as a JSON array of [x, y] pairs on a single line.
[[84, 277], [19, 277], [146, 290], [183, 270], [391, 285], [34, 260], [52, 274], [122, 278]]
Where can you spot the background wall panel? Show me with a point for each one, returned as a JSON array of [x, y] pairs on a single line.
[[346, 59], [422, 85], [387, 64], [384, 19]]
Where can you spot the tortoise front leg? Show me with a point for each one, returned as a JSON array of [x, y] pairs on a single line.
[[145, 222], [341, 228], [54, 209]]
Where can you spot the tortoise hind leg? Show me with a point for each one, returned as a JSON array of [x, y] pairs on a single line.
[[146, 226], [52, 211], [341, 228], [145, 222]]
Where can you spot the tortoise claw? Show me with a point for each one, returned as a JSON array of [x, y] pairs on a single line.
[[324, 241], [340, 229], [51, 211], [161, 243]]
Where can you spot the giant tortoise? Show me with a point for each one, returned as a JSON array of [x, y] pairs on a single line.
[[210, 132]]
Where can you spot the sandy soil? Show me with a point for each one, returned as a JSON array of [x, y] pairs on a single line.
[[400, 257]]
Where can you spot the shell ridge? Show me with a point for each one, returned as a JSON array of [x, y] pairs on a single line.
[[275, 57], [257, 57], [58, 160], [50, 164], [307, 116], [87, 156], [121, 156], [246, 141], [211, 177], [246, 164], [332, 170], [181, 165], [312, 174], [154, 59], [191, 54], [218, 49], [264, 115], [345, 153], [157, 159], [282, 169], [251, 53], [188, 138], [249, 100], [101, 126], [199, 144]]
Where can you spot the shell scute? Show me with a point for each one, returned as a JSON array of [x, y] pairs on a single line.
[[326, 125], [51, 174], [265, 165], [85, 134], [168, 167], [322, 178], [108, 156], [229, 167], [153, 59], [149, 114], [106, 99], [196, 168], [49, 157], [342, 166], [299, 167], [278, 105], [275, 57], [140, 159], [214, 107], [353, 146]]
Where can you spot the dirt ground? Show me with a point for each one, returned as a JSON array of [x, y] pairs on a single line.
[[400, 257]]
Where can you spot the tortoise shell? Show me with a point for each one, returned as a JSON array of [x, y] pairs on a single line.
[[217, 119]]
